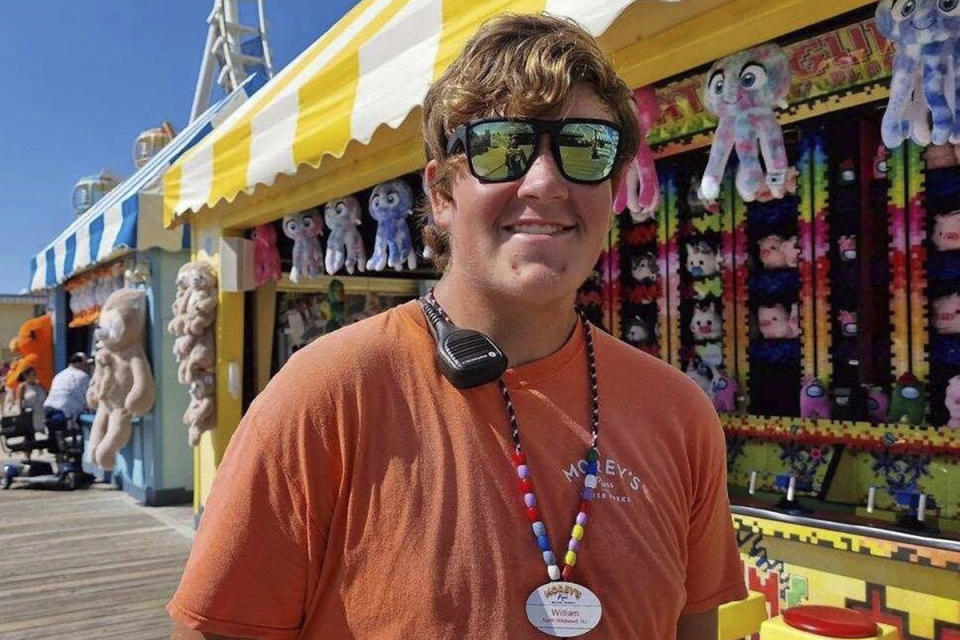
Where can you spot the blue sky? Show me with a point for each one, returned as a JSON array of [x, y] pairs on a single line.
[[80, 80]]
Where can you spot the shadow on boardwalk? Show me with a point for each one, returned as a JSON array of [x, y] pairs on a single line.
[[88, 564]]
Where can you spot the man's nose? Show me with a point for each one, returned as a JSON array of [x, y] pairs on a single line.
[[543, 182]]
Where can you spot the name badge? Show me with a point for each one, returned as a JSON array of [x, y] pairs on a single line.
[[563, 609]]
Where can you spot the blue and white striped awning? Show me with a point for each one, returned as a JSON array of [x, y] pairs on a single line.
[[131, 215]]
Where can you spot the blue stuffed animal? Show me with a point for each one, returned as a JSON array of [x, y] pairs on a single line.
[[390, 204]]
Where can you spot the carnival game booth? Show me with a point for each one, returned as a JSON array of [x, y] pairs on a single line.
[[118, 242], [822, 278]]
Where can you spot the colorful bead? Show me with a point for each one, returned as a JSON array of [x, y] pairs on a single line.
[[590, 480], [570, 558], [519, 458], [593, 455], [539, 529], [577, 532], [567, 573], [592, 468], [573, 545], [523, 471], [544, 543], [526, 486], [554, 572], [581, 518], [530, 500], [586, 506], [549, 558], [533, 514], [587, 493]]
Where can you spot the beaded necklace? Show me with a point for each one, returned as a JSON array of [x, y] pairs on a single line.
[[519, 459]]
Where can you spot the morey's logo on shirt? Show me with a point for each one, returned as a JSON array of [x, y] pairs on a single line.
[[614, 481]]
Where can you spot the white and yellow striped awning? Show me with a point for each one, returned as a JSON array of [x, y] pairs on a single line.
[[345, 113]]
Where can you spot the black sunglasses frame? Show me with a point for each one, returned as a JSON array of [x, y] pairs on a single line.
[[461, 136]]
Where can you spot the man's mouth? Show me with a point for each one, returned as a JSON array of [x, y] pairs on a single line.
[[538, 229]]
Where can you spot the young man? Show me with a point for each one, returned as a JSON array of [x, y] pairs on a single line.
[[364, 496]]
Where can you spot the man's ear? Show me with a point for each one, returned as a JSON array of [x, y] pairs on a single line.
[[440, 207]]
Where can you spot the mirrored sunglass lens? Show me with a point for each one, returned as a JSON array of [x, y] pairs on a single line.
[[588, 150], [501, 150]]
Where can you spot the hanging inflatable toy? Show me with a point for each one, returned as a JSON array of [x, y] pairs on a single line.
[[639, 190], [266, 256], [303, 229], [926, 70], [909, 400], [390, 204], [742, 91], [952, 400], [345, 245]]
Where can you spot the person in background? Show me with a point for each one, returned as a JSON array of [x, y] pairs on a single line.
[[30, 397], [68, 392]]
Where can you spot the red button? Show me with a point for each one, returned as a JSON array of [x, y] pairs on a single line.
[[832, 622]]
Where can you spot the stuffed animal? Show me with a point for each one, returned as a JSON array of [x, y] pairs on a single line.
[[124, 388], [941, 156], [710, 353], [926, 69], [742, 91], [638, 333], [390, 204], [880, 162], [345, 245], [946, 313], [639, 189], [946, 231], [644, 267], [303, 229], [908, 402], [847, 247], [878, 403], [724, 391], [34, 344], [702, 259], [847, 172], [952, 400], [266, 254], [814, 402], [706, 323], [701, 374], [848, 322], [776, 323], [777, 253], [201, 413]]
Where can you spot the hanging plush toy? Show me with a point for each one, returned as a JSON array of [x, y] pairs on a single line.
[[814, 402], [124, 382], [639, 190], [926, 70], [946, 313], [700, 373], [644, 267], [909, 401], [706, 323], [724, 391], [847, 247], [946, 231], [638, 333], [848, 322], [742, 91], [702, 259], [952, 400], [878, 403], [303, 229], [390, 204], [266, 254], [777, 253], [775, 323], [344, 246]]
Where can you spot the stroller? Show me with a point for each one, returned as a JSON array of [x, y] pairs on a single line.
[[64, 440]]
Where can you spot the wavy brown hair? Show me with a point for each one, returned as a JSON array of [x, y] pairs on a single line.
[[521, 65]]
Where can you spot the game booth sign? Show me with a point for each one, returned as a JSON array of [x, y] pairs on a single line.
[[810, 287]]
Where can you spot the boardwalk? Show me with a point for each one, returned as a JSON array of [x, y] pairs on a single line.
[[88, 564]]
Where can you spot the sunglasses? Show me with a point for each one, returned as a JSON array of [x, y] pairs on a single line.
[[503, 149]]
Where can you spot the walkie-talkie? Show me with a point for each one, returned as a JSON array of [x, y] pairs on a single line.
[[466, 358]]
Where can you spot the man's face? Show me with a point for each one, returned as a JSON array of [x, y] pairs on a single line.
[[537, 237]]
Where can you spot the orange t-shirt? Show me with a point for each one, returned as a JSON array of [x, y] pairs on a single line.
[[365, 497]]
